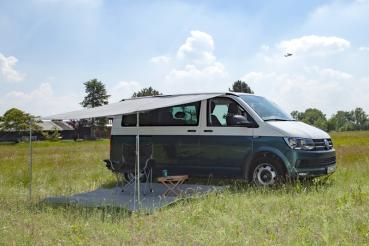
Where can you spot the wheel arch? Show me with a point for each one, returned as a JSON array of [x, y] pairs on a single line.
[[266, 151]]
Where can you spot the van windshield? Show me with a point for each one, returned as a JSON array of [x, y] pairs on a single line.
[[266, 109]]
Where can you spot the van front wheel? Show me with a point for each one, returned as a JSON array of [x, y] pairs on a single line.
[[266, 171]]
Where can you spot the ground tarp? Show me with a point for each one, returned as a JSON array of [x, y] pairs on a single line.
[[114, 197]]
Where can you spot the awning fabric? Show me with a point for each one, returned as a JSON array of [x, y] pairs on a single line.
[[130, 106]]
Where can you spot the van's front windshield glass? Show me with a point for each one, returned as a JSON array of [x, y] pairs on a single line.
[[266, 109]]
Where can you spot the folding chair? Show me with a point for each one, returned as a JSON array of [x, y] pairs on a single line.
[[125, 170], [146, 154], [117, 169]]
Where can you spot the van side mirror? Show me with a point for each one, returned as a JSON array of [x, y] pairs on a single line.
[[240, 120]]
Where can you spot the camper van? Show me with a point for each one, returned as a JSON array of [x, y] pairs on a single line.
[[235, 135]]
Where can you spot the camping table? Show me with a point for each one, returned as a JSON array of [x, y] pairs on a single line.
[[172, 183]]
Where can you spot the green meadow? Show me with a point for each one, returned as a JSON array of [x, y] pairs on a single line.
[[327, 211]]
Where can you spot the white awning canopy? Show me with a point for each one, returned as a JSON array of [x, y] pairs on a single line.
[[135, 105], [131, 106]]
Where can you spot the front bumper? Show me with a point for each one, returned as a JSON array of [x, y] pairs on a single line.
[[315, 163], [316, 172]]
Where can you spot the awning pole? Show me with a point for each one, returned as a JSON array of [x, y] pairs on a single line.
[[138, 157], [30, 161]]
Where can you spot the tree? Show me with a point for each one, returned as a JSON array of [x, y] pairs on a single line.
[[241, 86], [54, 135], [332, 122], [312, 116], [146, 92], [96, 96], [352, 120], [297, 115], [360, 118], [316, 118], [344, 121], [16, 120]]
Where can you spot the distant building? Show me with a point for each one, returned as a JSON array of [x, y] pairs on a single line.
[[66, 132]]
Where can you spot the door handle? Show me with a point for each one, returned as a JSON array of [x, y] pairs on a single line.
[[208, 130], [191, 130]]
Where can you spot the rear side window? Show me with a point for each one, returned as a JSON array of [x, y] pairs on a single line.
[[181, 115]]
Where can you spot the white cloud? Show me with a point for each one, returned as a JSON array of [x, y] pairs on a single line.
[[195, 60], [197, 49], [7, 68], [252, 76], [364, 48], [308, 50], [192, 72], [328, 73], [314, 45], [44, 90], [40, 101], [123, 90], [160, 59]]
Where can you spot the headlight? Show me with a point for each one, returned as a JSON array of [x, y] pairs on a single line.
[[300, 143]]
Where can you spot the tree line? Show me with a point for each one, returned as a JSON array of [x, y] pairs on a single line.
[[353, 120]]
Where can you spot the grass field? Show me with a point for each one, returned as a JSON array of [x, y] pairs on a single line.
[[333, 211]]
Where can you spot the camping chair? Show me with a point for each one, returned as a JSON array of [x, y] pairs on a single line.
[[117, 169], [146, 155], [125, 170]]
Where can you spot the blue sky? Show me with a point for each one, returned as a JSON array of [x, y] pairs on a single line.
[[48, 48]]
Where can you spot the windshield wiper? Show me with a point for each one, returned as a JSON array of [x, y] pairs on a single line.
[[277, 120]]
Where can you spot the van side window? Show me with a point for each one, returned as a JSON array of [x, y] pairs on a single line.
[[222, 109], [180, 115]]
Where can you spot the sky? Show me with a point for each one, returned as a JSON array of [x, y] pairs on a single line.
[[48, 48]]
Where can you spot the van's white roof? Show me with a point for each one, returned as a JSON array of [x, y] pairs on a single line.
[[133, 105]]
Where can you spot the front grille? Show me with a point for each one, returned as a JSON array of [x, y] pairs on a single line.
[[323, 144], [306, 163]]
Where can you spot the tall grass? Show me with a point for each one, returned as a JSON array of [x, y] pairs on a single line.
[[327, 211]]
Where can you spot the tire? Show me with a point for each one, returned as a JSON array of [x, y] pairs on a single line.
[[267, 170]]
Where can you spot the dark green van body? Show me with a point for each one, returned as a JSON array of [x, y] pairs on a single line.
[[201, 150], [204, 156]]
